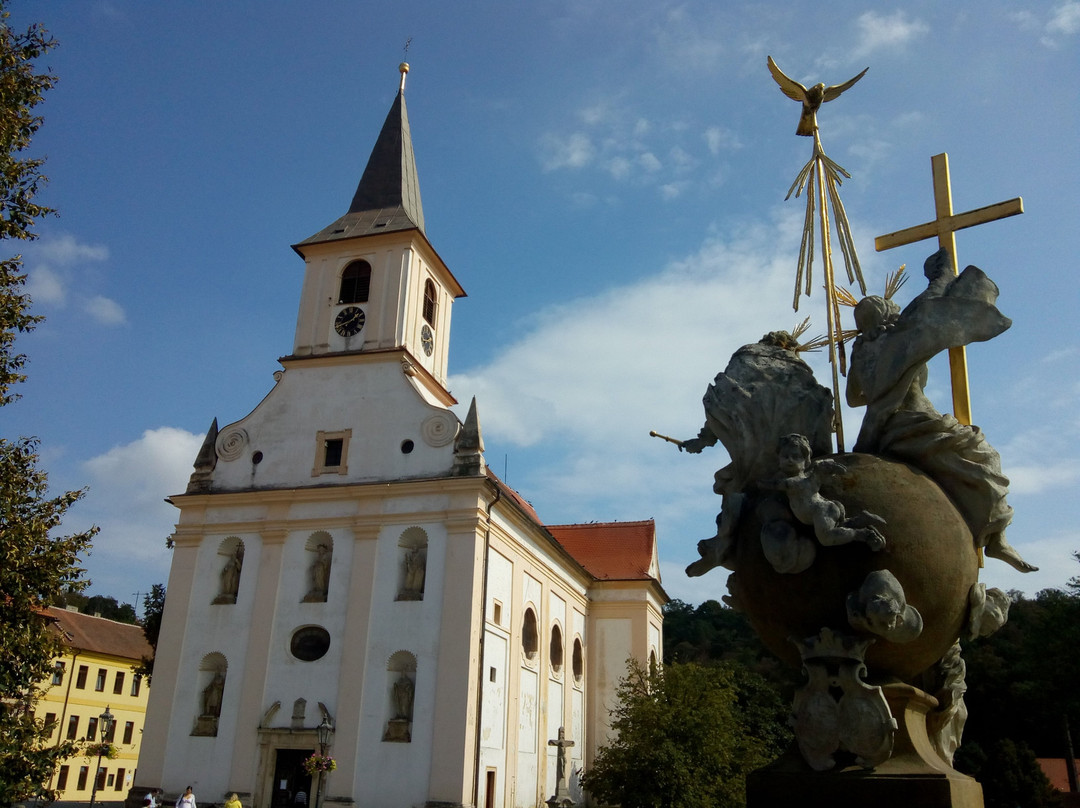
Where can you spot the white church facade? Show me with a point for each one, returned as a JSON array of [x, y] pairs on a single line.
[[345, 563]]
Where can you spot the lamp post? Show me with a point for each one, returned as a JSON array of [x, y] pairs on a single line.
[[324, 729], [106, 719]]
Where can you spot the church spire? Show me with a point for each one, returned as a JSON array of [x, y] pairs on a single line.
[[388, 196]]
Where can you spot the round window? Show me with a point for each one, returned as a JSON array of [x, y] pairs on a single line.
[[310, 643]]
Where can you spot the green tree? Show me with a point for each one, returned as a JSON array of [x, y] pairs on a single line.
[[35, 566], [688, 735], [153, 608]]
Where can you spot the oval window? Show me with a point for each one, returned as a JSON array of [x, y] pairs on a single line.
[[310, 643]]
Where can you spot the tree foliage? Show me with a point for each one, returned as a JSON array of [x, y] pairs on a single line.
[[153, 608], [35, 566], [101, 605], [688, 735]]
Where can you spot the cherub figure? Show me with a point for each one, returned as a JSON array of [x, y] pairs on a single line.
[[802, 484]]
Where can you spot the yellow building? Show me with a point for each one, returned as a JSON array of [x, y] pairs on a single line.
[[96, 673]]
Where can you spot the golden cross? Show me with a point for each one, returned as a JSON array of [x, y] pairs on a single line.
[[944, 226]]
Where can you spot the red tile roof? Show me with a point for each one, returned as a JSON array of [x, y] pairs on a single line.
[[88, 633], [1054, 769], [612, 551]]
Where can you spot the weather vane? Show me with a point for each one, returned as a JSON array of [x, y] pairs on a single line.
[[821, 177], [405, 50]]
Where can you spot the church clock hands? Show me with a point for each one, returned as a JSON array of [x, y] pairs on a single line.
[[427, 339], [349, 321]]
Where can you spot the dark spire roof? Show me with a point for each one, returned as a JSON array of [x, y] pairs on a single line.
[[388, 196]]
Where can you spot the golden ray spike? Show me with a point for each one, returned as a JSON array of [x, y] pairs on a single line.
[[893, 282], [845, 298]]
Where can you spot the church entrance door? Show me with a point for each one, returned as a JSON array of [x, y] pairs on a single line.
[[292, 785]]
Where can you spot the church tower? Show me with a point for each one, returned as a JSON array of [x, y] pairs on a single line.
[[350, 581]]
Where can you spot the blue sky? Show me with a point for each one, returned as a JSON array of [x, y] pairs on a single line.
[[605, 179]]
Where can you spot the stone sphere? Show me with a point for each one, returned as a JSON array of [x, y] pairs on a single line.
[[929, 549]]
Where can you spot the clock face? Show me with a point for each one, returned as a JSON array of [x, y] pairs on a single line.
[[349, 321], [427, 339]]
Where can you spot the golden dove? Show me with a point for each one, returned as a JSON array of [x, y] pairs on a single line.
[[811, 98]]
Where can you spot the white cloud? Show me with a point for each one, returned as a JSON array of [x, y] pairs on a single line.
[[572, 151], [46, 286], [52, 267], [886, 31], [65, 250], [105, 311], [125, 500], [649, 162], [719, 138], [1065, 19]]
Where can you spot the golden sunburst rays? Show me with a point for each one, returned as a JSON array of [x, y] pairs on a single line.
[[821, 178]]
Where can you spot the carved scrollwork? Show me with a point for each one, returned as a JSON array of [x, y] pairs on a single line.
[[439, 429], [231, 443]]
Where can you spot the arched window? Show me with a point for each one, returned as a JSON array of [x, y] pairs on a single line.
[[355, 283], [211, 684], [429, 301], [578, 661], [530, 637], [555, 654]]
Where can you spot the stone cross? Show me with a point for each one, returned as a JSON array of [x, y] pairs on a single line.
[[562, 789], [944, 226]]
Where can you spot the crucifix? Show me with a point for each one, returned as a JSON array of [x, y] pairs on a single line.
[[944, 226], [562, 796]]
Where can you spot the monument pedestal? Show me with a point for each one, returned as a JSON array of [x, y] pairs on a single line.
[[914, 775]]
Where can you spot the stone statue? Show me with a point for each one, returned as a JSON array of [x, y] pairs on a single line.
[[320, 575], [403, 697], [415, 570], [230, 576], [879, 606], [562, 797], [888, 373], [211, 695]]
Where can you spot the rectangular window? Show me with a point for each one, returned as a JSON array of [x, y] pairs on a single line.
[[111, 734], [100, 684], [136, 680], [120, 779], [331, 452], [101, 774], [129, 730], [73, 728], [109, 782], [83, 772], [80, 680], [58, 673], [91, 728], [61, 779], [118, 684], [50, 719]]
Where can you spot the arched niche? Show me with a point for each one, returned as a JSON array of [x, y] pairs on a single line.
[[412, 563], [401, 690], [231, 560], [210, 692], [319, 555]]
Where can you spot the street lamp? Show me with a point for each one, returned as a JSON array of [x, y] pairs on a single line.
[[324, 730], [106, 720]]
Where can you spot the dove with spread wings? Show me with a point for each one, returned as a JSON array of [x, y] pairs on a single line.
[[811, 98]]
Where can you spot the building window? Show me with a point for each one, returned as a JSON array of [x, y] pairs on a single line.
[[578, 661], [81, 783], [58, 673], [530, 637], [136, 681], [109, 782], [355, 283], [99, 685], [109, 736], [120, 779], [80, 679], [555, 652], [118, 683], [129, 730], [331, 452], [73, 728], [91, 728], [310, 643], [50, 719], [61, 779], [429, 302], [101, 774]]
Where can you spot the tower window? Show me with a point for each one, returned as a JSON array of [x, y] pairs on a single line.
[[355, 283], [429, 301], [331, 453]]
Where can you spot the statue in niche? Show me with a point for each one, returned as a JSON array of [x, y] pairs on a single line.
[[211, 696], [320, 575], [415, 573], [404, 691], [230, 577], [888, 373]]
